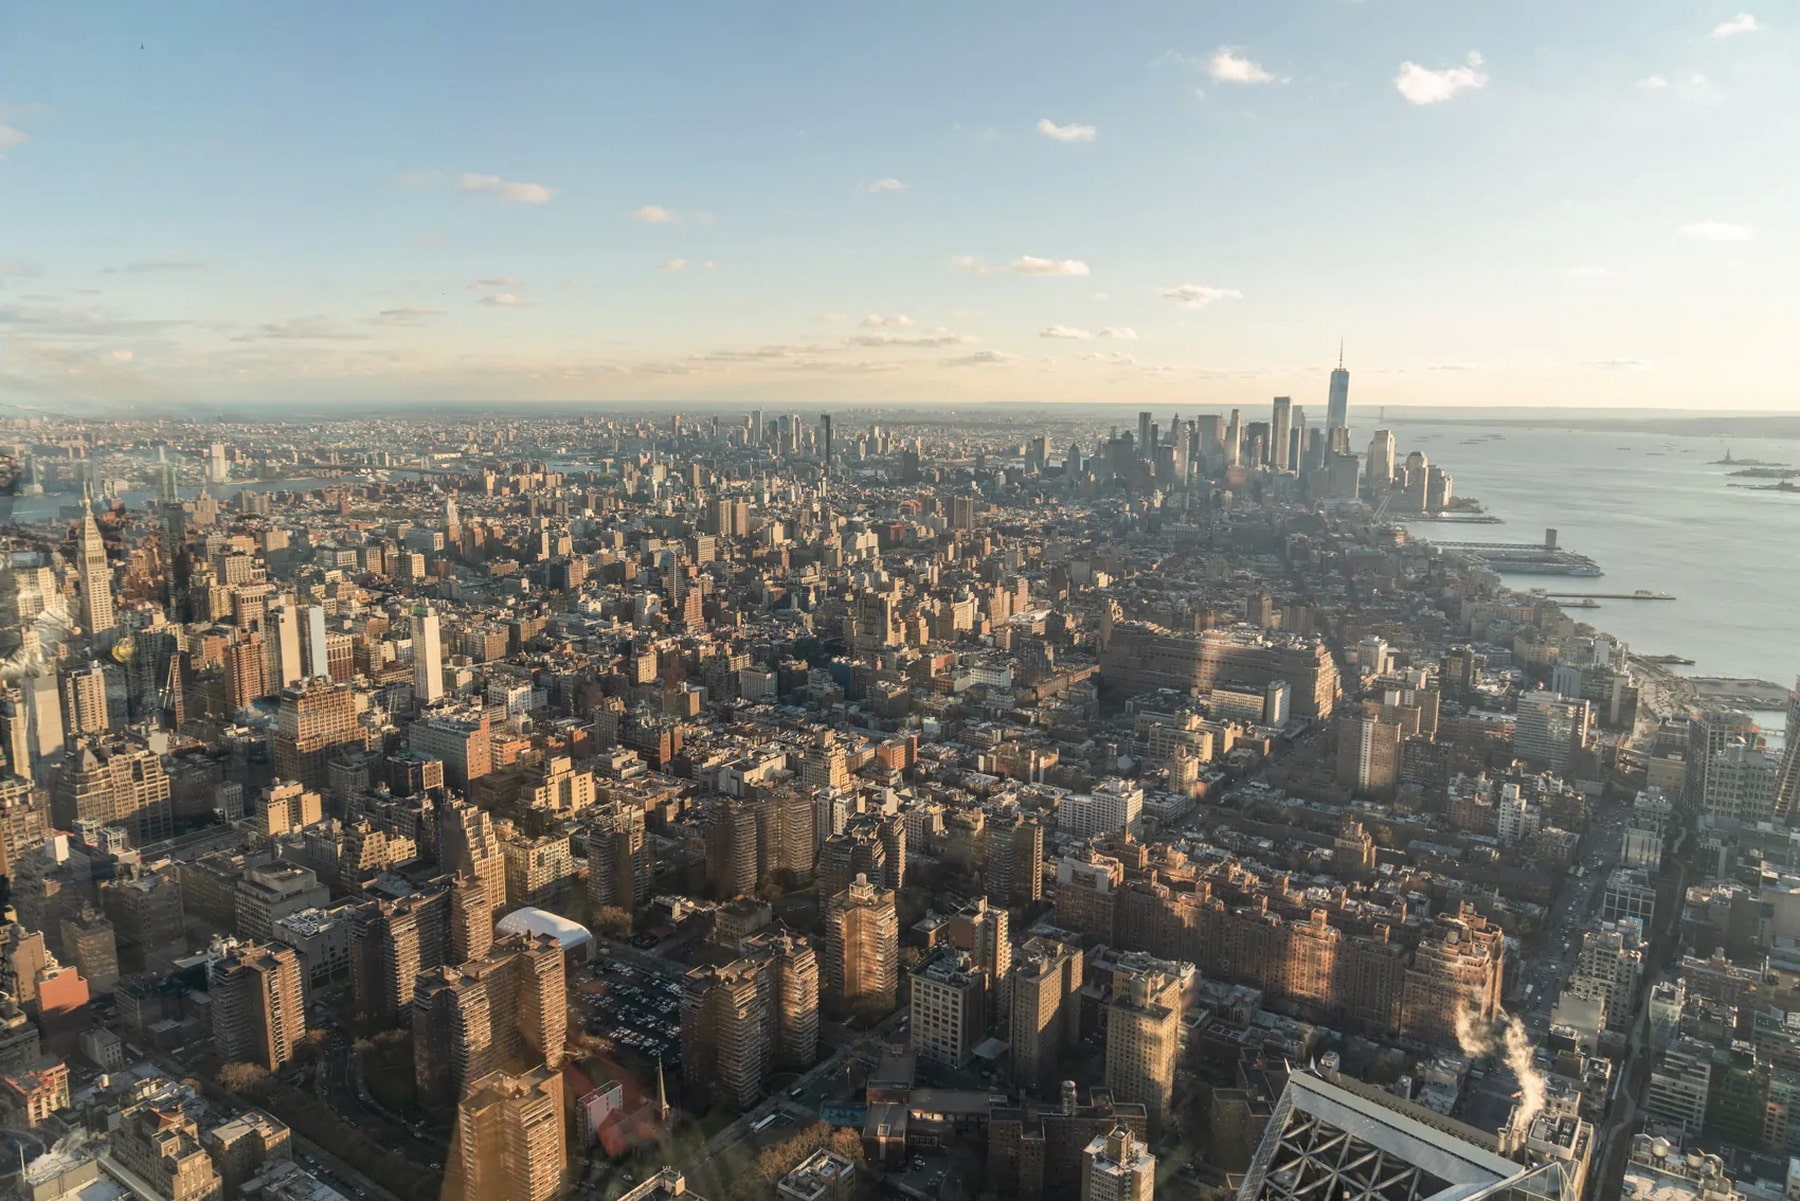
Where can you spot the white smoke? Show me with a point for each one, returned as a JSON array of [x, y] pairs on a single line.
[[1508, 1041]]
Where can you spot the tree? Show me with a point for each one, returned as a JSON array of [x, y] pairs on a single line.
[[247, 1079], [612, 922]]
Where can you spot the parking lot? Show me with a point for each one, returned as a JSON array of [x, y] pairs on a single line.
[[634, 1010]]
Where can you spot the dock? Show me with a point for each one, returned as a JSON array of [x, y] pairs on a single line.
[[1600, 596]]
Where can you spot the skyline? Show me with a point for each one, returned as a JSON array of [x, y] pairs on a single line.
[[801, 206]]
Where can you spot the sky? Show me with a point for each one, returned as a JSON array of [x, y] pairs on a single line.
[[1533, 203]]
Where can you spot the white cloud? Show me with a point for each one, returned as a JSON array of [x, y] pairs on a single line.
[[507, 189], [1198, 296], [16, 269], [1422, 85], [10, 137], [121, 356], [1742, 23], [1121, 332], [1064, 331], [406, 316], [925, 341], [1653, 83], [888, 184], [876, 321], [301, 329], [1228, 66], [980, 357], [709, 265], [498, 281], [1067, 133], [1717, 231], [1024, 265], [655, 214], [1029, 265], [506, 300], [673, 265]]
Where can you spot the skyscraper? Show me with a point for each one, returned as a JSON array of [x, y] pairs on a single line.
[[312, 721], [1280, 428], [510, 1132], [1337, 406], [503, 1012], [862, 946], [284, 643], [258, 1006], [620, 867], [428, 657], [1378, 472], [96, 574], [318, 654]]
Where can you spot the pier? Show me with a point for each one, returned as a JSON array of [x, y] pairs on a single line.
[[1639, 595]]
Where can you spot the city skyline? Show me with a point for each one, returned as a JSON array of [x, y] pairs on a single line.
[[1534, 207]]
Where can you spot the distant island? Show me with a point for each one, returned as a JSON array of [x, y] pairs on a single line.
[[1771, 471]]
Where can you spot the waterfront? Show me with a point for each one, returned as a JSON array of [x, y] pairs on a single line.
[[1656, 513]]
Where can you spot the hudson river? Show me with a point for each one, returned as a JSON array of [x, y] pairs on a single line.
[[1654, 512]]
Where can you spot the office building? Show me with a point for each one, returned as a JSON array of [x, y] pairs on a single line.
[[825, 764], [84, 701], [160, 1145], [1281, 427], [537, 869], [862, 947], [1337, 404], [96, 574], [981, 930], [509, 1130], [147, 918], [1740, 783], [1550, 729], [1710, 731], [269, 892], [287, 807], [258, 1004], [115, 782], [428, 657], [1118, 1167], [948, 995], [461, 738], [90, 944], [287, 669], [1143, 1033], [1044, 1023], [312, 723]]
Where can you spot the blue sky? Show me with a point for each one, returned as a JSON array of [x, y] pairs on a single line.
[[1531, 202]]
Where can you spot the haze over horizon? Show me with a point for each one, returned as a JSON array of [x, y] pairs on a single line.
[[1526, 205]]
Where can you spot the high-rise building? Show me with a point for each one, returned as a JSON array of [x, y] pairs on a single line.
[[428, 657], [1118, 1167], [862, 947], [84, 701], [1378, 471], [732, 848], [1607, 969], [1281, 427], [316, 643], [115, 783], [740, 1021], [1143, 1033], [947, 1007], [1368, 759], [1710, 731], [96, 574], [981, 930], [509, 1129], [825, 764], [467, 846], [1741, 782], [147, 918], [621, 870], [1787, 783], [1549, 729], [1045, 1013], [1337, 407], [385, 959], [314, 721], [503, 1012], [1015, 858], [284, 642], [463, 739], [160, 1145], [258, 1004], [90, 944]]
